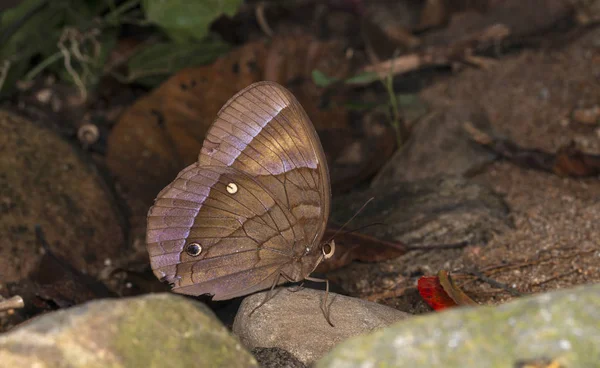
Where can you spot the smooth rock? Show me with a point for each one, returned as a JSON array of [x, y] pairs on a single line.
[[429, 211], [276, 358], [439, 146], [294, 321], [560, 328], [45, 182], [156, 330]]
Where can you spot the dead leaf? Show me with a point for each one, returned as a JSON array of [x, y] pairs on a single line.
[[453, 290], [354, 246], [440, 292], [568, 160]]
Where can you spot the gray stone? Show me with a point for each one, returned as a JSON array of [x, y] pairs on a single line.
[[294, 321], [561, 327], [276, 358], [429, 211], [439, 146], [45, 182], [159, 330]]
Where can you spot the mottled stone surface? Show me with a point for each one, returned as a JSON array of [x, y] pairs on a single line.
[[293, 321], [159, 330], [439, 145], [429, 211], [45, 182], [276, 358], [561, 327]]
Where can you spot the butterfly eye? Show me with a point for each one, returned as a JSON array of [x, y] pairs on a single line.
[[193, 249], [328, 249]]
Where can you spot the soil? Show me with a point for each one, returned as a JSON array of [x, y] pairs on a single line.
[[529, 98]]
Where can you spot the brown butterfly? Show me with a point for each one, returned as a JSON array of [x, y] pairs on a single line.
[[250, 214]]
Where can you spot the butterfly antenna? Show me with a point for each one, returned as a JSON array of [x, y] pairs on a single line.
[[351, 218]]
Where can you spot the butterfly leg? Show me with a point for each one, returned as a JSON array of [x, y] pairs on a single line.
[[324, 308], [292, 289], [269, 294], [296, 288]]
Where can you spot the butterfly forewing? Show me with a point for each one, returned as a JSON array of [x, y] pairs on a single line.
[[264, 131], [252, 205]]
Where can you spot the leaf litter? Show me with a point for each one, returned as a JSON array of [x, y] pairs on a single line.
[[185, 67]]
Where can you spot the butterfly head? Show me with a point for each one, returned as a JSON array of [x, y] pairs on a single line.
[[328, 249], [324, 251]]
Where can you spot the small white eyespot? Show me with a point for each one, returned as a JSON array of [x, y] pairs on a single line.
[[232, 188]]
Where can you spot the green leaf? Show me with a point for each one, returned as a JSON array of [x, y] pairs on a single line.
[[30, 35], [360, 105], [188, 20], [322, 80], [156, 62], [363, 78]]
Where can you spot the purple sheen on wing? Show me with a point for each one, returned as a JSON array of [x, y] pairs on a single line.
[[161, 235], [161, 222], [261, 135], [185, 195], [176, 203], [172, 212], [169, 246], [199, 189], [164, 260]]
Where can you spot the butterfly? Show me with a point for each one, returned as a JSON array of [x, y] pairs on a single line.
[[251, 212]]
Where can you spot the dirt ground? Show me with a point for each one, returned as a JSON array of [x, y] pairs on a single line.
[[533, 96], [530, 98]]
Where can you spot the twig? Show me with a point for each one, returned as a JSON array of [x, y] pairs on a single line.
[[67, 62], [438, 246], [400, 65], [75, 39], [540, 283], [567, 161], [261, 19], [43, 65], [512, 291], [462, 51], [15, 302], [477, 135], [4, 72], [492, 270]]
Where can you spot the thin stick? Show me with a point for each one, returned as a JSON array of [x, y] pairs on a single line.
[[43, 65], [261, 19], [512, 291], [461, 244], [553, 278], [16, 302], [4, 72]]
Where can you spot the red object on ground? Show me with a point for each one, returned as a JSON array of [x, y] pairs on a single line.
[[434, 294]]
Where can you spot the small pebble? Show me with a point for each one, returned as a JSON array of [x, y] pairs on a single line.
[[588, 116]]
